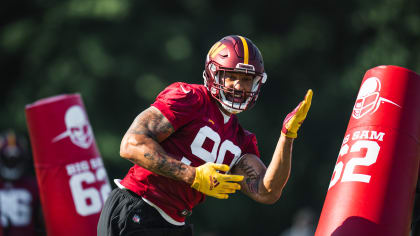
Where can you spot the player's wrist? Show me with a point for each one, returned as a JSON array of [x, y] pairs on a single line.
[[190, 176], [289, 135], [287, 132]]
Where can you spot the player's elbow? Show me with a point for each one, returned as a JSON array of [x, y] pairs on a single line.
[[132, 147], [125, 148], [271, 197], [124, 153]]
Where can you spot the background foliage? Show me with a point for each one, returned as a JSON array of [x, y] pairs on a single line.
[[118, 54]]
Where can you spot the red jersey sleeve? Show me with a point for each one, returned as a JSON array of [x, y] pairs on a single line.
[[179, 103], [252, 146]]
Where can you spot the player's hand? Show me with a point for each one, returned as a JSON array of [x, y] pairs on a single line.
[[294, 119], [210, 182]]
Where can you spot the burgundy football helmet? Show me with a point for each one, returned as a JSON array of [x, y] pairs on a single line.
[[234, 54], [13, 156]]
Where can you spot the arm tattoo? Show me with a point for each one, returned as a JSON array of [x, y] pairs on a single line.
[[165, 166], [252, 177], [152, 124]]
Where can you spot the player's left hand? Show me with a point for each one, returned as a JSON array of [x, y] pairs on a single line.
[[294, 119], [210, 181]]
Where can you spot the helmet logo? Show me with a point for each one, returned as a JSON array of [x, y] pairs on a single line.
[[77, 128], [368, 100], [217, 47]]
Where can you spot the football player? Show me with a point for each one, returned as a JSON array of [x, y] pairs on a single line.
[[20, 208], [189, 144]]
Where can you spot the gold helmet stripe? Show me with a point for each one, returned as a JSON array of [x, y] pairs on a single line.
[[216, 49], [246, 52]]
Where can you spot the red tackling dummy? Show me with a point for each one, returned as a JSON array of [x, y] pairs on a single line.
[[72, 179], [373, 184]]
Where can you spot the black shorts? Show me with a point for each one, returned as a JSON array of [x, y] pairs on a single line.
[[125, 213]]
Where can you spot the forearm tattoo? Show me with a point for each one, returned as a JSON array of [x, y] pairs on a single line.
[[164, 166], [154, 125], [252, 177]]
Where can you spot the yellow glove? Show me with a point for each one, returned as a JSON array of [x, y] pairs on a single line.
[[294, 119], [210, 182]]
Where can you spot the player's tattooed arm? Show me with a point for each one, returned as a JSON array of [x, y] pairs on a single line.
[[253, 170], [140, 145], [151, 122], [265, 184], [253, 174]]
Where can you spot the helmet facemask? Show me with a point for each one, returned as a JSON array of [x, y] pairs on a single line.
[[224, 94]]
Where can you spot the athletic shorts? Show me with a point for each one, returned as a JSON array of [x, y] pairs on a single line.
[[125, 213]]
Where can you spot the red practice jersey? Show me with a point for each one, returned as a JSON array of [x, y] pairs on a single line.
[[202, 134], [19, 203]]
